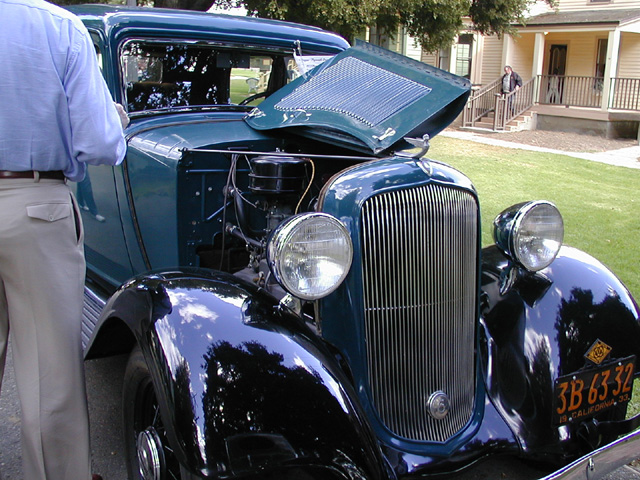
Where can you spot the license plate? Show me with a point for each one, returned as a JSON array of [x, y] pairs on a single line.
[[584, 394]]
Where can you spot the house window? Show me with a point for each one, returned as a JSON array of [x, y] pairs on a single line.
[[463, 55]]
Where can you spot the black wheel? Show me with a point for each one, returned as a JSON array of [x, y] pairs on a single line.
[[148, 453]]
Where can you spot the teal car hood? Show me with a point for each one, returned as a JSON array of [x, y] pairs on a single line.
[[366, 98]]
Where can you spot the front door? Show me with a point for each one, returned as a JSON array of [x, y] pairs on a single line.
[[557, 60], [556, 71]]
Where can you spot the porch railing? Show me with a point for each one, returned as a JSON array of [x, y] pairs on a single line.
[[505, 107], [509, 106], [481, 103], [625, 94], [575, 91], [569, 91]]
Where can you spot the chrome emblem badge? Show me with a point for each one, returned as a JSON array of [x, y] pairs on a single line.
[[439, 405]]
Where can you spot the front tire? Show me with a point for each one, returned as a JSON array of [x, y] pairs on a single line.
[[147, 451]]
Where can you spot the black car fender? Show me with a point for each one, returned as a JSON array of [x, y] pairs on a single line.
[[537, 327], [243, 385]]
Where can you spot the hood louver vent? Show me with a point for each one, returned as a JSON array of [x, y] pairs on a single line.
[[366, 97], [340, 89]]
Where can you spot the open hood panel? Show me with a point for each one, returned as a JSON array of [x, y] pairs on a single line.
[[367, 98]]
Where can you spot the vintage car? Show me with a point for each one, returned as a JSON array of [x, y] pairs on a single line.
[[303, 293]]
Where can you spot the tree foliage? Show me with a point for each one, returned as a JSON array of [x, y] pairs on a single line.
[[434, 23]]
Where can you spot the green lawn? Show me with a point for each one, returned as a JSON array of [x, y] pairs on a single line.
[[239, 89], [599, 203]]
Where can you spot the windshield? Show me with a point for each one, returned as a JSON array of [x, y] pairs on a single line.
[[162, 75]]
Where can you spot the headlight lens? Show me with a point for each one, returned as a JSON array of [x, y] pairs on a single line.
[[310, 254], [530, 234]]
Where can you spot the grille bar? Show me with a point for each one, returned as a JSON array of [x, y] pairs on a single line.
[[419, 272]]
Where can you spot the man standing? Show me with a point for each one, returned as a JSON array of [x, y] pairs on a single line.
[[511, 82], [57, 116]]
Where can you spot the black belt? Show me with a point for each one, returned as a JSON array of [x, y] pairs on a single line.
[[54, 174]]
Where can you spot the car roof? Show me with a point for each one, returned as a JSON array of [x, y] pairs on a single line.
[[116, 21]]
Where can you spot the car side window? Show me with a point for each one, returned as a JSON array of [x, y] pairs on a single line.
[[161, 75], [96, 44]]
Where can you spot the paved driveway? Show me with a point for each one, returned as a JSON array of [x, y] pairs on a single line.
[[104, 387]]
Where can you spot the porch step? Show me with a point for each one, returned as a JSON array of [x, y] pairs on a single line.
[[521, 122]]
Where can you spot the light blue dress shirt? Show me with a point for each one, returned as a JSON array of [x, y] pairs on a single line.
[[56, 112]]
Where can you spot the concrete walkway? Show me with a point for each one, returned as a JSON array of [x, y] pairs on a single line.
[[624, 157]]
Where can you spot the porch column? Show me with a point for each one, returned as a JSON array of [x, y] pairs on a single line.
[[536, 68], [453, 55], [611, 67], [476, 59], [507, 46]]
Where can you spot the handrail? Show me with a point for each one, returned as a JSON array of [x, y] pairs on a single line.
[[489, 87], [624, 94], [480, 103], [509, 106]]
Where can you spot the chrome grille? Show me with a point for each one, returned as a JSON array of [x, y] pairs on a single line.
[[419, 272]]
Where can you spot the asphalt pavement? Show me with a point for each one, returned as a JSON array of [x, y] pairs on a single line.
[[104, 392]]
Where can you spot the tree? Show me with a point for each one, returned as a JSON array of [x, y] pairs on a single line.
[[434, 23]]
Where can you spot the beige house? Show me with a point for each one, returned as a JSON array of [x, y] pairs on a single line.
[[580, 63]]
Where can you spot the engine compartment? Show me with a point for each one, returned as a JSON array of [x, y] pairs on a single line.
[[256, 193]]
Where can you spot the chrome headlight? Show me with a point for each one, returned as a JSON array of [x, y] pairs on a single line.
[[530, 234], [310, 254]]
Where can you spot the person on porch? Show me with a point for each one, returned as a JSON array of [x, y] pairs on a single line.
[[511, 82]]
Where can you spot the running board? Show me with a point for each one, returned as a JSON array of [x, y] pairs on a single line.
[[91, 311]]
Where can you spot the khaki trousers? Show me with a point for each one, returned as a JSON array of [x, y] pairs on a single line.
[[42, 273]]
